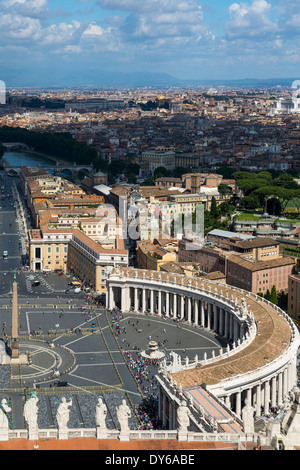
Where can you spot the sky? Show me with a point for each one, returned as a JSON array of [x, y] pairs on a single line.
[[61, 41]]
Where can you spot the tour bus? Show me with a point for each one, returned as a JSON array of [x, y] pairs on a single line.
[[5, 254]]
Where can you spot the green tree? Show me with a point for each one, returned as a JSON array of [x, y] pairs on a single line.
[[213, 208], [131, 178], [181, 170], [285, 181], [273, 297], [161, 171], [132, 169], [224, 189], [116, 167], [268, 295], [225, 208], [250, 202], [150, 181]]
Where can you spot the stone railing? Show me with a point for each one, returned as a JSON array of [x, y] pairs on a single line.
[[134, 435]]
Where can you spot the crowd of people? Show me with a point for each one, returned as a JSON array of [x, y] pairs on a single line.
[[143, 370]]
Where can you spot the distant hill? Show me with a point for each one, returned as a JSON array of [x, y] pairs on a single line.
[[103, 78]]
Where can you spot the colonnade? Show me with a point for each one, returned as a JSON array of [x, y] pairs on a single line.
[[267, 393], [194, 302], [197, 311]]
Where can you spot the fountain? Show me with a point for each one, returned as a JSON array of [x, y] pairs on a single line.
[[153, 352]]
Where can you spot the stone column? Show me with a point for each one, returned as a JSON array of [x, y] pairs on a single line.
[[111, 299], [159, 302], [125, 299], [182, 304], [215, 320], [151, 301], [235, 330], [238, 405], [202, 314], [209, 305], [285, 382], [226, 330], [280, 389], [267, 396], [258, 400], [136, 298], [144, 300], [167, 304], [273, 391], [196, 316], [189, 301], [221, 322], [174, 305], [231, 319]]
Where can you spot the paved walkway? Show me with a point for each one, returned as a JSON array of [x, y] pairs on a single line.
[[214, 409]]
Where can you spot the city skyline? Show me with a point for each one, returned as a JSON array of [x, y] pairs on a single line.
[[47, 42]]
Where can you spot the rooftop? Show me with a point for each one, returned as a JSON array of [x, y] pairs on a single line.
[[260, 265], [227, 234]]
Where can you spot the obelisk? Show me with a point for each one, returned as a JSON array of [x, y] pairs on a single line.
[[15, 322]]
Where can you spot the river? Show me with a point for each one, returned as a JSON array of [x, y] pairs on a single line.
[[17, 159]]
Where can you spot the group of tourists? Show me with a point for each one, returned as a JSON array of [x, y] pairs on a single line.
[[143, 369]]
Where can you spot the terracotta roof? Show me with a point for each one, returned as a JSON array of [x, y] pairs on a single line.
[[95, 246], [28, 172], [259, 265], [89, 443], [257, 242]]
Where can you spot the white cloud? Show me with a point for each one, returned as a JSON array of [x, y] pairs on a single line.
[[146, 6], [31, 8], [250, 20], [16, 28], [93, 30]]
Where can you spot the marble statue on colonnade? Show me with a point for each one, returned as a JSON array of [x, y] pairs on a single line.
[[183, 420], [4, 426], [101, 412], [248, 418], [62, 418], [30, 413], [123, 414], [183, 417]]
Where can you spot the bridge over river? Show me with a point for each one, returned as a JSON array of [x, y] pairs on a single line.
[[15, 161]]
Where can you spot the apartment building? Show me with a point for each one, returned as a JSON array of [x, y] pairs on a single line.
[[91, 263], [72, 250], [259, 276], [48, 248], [224, 238], [208, 259], [154, 255], [294, 296], [254, 264], [256, 249], [153, 159]]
